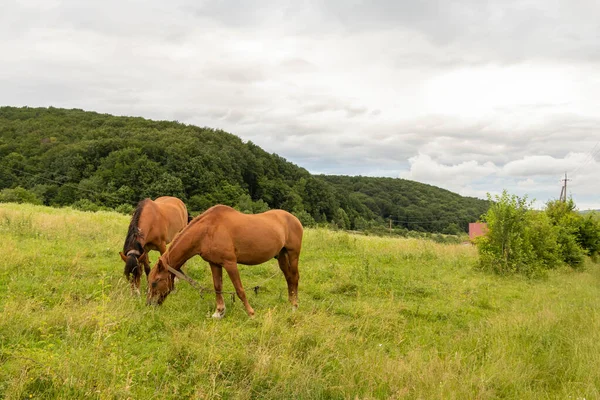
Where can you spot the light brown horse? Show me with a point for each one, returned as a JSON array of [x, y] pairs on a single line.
[[153, 225], [225, 237]]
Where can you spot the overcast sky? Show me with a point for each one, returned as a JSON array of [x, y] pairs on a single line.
[[473, 96]]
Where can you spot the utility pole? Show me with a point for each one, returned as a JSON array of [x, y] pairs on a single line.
[[563, 190]]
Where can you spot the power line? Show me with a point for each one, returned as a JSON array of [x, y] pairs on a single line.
[[590, 156]]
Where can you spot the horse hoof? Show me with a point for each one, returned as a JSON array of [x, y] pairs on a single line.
[[218, 314]]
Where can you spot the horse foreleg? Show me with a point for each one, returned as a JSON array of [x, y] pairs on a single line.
[[147, 267], [234, 275], [288, 263], [217, 275]]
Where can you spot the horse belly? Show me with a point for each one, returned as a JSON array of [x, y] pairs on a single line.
[[258, 249], [255, 258]]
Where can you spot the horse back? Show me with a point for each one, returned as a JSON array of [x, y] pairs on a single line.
[[254, 238], [169, 215]]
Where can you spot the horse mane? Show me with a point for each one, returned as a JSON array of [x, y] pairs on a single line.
[[133, 233], [191, 221]]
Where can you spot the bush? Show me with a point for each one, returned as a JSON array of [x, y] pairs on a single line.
[[525, 241], [568, 223], [543, 237], [85, 205], [588, 235], [125, 209], [452, 229], [506, 247], [19, 195]]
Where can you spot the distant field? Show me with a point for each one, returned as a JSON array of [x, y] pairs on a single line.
[[378, 318]]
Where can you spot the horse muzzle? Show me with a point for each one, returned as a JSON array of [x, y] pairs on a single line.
[[155, 301]]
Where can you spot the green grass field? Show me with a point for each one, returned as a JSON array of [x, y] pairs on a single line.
[[378, 318]]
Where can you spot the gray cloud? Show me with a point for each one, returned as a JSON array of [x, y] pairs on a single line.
[[518, 30], [469, 95]]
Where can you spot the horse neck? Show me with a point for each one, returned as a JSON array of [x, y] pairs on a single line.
[[135, 226], [150, 217], [184, 248], [144, 226]]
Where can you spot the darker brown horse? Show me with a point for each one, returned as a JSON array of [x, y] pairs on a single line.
[[225, 237], [153, 225]]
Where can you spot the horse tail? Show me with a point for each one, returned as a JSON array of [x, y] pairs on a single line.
[[190, 218], [131, 266]]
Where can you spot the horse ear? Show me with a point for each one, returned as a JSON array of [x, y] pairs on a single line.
[[143, 257], [123, 256], [160, 266]]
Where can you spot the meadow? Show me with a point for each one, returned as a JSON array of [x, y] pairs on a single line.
[[379, 318]]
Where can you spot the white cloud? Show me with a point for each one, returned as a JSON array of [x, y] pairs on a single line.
[[543, 165], [526, 183], [453, 177]]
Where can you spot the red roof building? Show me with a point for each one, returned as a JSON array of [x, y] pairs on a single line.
[[477, 229]]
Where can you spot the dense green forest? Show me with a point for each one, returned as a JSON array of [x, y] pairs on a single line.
[[85, 159]]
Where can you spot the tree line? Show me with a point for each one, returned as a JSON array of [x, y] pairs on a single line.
[[88, 160]]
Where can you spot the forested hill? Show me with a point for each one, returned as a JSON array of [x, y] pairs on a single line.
[[75, 157], [409, 204]]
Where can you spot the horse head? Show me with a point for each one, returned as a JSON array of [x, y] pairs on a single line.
[[160, 283], [133, 260]]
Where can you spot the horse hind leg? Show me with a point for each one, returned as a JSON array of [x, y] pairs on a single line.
[[288, 263]]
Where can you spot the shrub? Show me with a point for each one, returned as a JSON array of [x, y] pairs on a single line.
[[525, 241], [85, 205], [506, 247], [543, 237], [19, 195], [124, 209], [588, 235], [568, 223]]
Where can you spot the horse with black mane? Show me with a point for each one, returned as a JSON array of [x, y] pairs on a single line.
[[153, 225], [225, 237]]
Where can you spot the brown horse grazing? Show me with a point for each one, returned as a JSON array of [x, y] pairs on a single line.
[[225, 237], [153, 225]]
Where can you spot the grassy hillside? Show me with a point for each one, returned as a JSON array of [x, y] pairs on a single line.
[[74, 157], [378, 318]]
